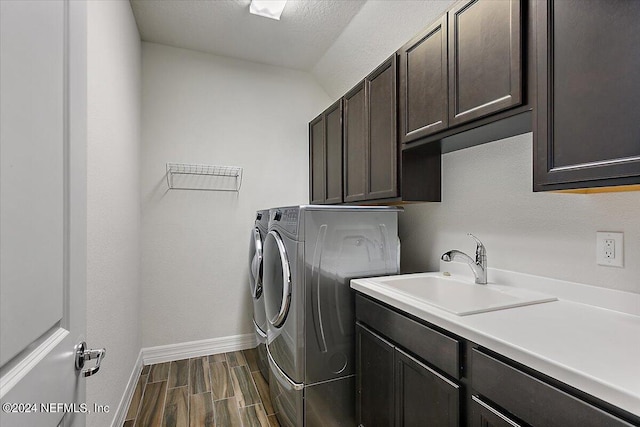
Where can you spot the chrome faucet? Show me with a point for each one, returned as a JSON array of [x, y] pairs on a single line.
[[479, 266]]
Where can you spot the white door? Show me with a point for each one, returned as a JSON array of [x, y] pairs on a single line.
[[42, 211]]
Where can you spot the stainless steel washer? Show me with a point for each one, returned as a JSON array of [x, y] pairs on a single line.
[[311, 254]]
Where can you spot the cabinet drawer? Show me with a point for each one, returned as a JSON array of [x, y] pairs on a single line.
[[535, 402], [440, 350]]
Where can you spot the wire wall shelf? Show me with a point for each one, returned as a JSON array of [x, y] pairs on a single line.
[[183, 176]]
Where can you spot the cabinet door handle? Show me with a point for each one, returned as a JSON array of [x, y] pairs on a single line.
[[427, 368], [495, 412]]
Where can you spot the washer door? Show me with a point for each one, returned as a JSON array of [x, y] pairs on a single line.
[[277, 279], [255, 264]]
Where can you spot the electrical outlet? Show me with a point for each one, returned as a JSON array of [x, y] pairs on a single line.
[[610, 249]]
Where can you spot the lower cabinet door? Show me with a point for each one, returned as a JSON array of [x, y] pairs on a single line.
[[423, 396], [374, 379], [483, 415]]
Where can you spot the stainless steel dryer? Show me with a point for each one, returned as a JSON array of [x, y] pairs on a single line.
[[256, 256], [311, 254]]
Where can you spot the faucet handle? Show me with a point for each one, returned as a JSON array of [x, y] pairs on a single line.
[[481, 261], [480, 249]]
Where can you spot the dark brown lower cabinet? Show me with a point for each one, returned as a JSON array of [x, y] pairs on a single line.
[[413, 373], [374, 381], [396, 389], [423, 396], [536, 402]]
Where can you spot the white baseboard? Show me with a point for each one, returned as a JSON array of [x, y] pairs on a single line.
[[123, 406], [169, 353], [185, 350]]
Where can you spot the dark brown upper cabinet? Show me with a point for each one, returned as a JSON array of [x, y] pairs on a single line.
[[586, 123], [383, 142], [325, 156], [355, 143], [485, 58], [463, 81], [317, 191], [370, 143], [470, 68], [423, 96]]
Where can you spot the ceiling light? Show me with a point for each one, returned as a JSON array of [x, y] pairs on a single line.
[[267, 8]]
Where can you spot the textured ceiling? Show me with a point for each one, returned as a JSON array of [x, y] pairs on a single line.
[[305, 31]]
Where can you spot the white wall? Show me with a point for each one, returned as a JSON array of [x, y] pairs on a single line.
[[200, 108], [113, 199], [486, 190]]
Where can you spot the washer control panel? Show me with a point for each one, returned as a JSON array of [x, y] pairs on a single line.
[[290, 216], [286, 219]]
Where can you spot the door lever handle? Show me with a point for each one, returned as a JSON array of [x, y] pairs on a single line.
[[83, 355]]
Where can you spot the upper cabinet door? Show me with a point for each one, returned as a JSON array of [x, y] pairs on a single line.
[[355, 144], [325, 156], [316, 161], [370, 136], [485, 61], [383, 142], [587, 131], [423, 83], [333, 152]]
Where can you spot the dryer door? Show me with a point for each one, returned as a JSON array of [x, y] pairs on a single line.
[[255, 263], [277, 279]]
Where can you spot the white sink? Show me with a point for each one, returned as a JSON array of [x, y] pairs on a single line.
[[457, 295]]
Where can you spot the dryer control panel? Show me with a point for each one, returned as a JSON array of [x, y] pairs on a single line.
[[286, 219]]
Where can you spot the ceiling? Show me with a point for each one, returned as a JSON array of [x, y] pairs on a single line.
[[305, 31]]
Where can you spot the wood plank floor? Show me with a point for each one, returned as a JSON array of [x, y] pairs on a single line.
[[221, 390]]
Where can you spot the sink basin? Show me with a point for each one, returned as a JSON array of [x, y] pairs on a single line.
[[459, 296]]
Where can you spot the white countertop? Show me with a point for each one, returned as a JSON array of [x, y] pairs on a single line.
[[591, 348]]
